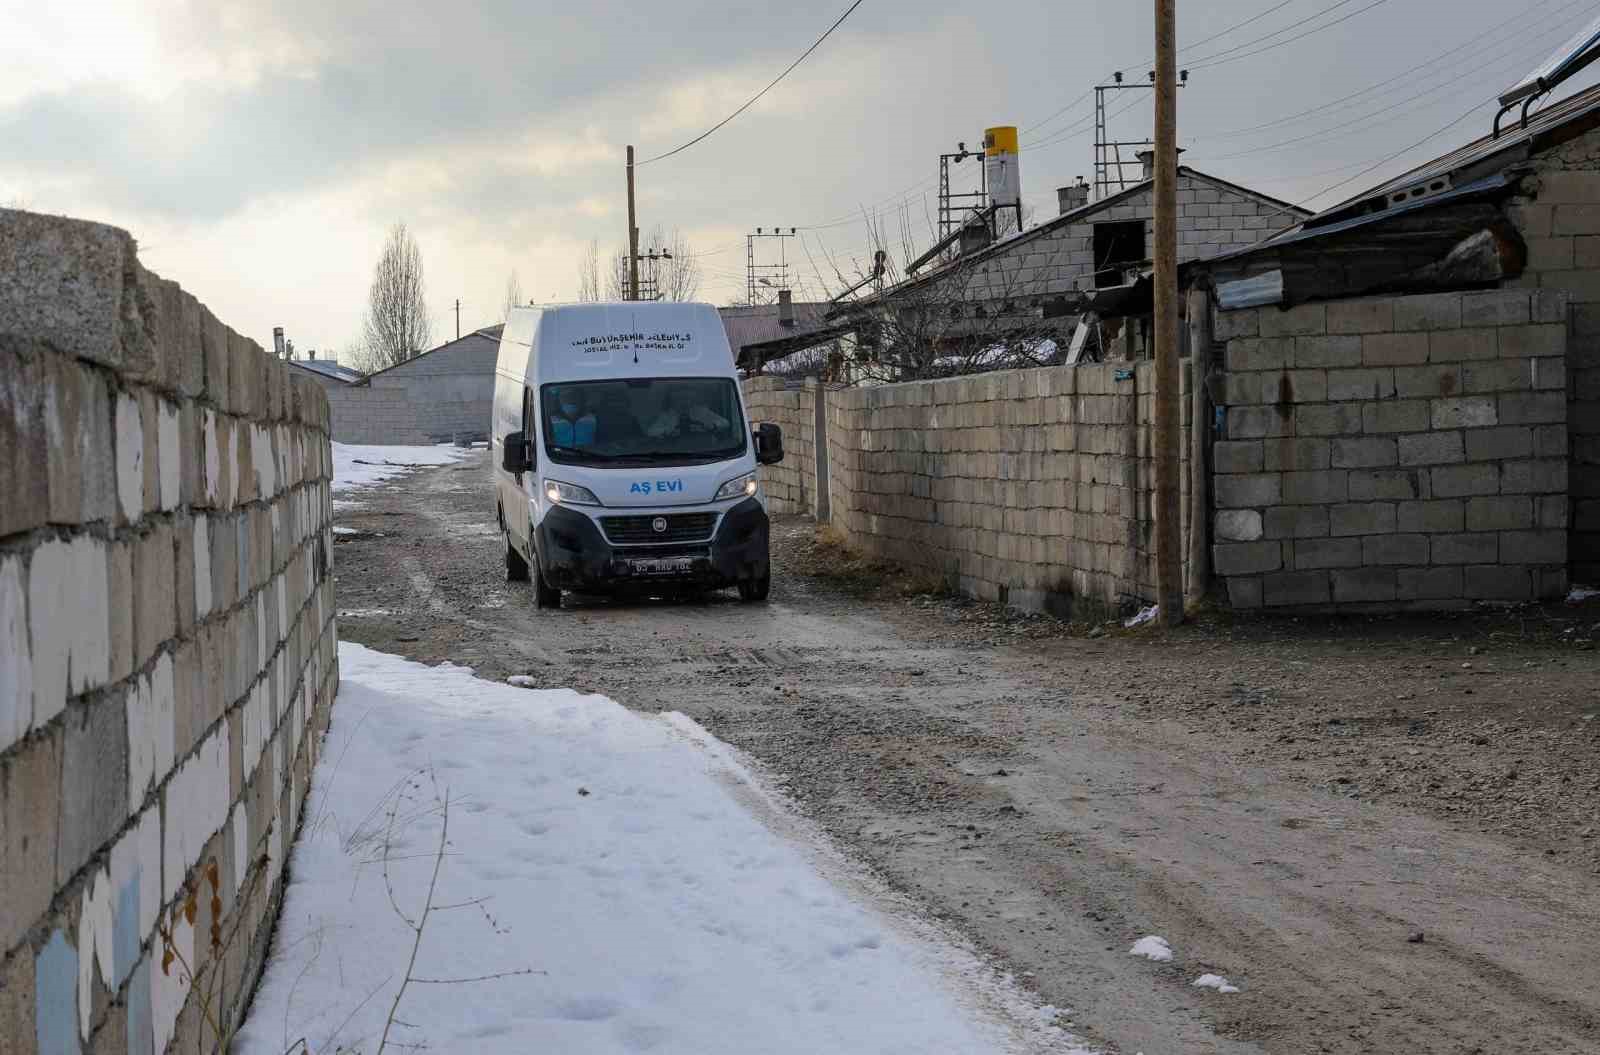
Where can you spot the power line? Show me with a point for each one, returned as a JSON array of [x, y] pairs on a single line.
[[1405, 150], [752, 100], [1338, 103], [1216, 59]]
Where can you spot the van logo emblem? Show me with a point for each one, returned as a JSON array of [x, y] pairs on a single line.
[[659, 524]]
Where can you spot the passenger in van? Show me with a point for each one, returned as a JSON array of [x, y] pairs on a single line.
[[685, 412], [571, 424]]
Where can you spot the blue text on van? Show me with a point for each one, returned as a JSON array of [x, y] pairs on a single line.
[[644, 487]]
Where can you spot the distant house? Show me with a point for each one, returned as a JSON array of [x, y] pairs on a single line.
[[963, 299], [443, 395]]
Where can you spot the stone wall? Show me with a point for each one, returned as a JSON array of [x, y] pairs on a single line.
[[167, 646], [1559, 216], [1398, 451], [1030, 487], [791, 484], [438, 397]]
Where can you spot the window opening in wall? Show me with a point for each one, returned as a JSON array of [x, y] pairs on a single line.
[[1117, 246]]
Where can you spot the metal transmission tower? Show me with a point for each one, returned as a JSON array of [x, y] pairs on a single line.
[[766, 276], [1110, 172], [954, 207], [650, 281]]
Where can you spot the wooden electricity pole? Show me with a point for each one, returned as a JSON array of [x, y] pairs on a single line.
[[633, 237], [1169, 530]]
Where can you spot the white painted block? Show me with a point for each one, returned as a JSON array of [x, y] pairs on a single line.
[[169, 989], [163, 715], [202, 567], [239, 824], [169, 449], [136, 866], [196, 809], [130, 458], [261, 628], [16, 665], [266, 463], [69, 618], [213, 467], [94, 945]]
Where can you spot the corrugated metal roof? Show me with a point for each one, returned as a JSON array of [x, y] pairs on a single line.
[[328, 368], [757, 324]]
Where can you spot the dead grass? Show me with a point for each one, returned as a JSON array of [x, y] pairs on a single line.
[[830, 557]]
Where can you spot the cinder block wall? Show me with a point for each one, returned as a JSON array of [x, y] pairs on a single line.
[[1558, 214], [1029, 487], [167, 646], [1394, 452], [791, 484]]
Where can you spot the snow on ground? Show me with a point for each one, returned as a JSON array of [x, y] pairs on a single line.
[[1581, 594], [1153, 947], [361, 464], [1215, 981], [669, 900]]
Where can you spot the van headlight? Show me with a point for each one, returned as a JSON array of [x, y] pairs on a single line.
[[569, 494], [739, 487]]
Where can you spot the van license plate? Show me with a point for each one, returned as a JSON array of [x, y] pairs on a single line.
[[662, 565]]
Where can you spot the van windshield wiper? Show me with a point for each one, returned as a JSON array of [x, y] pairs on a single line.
[[581, 452], [679, 457]]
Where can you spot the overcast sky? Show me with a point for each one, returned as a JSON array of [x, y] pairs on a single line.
[[259, 149]]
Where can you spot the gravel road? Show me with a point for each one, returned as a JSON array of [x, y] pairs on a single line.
[[1382, 831]]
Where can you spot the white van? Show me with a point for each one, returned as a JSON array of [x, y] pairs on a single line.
[[623, 457]]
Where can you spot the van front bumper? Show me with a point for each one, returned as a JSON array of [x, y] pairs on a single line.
[[575, 555]]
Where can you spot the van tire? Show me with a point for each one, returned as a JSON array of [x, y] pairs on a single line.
[[544, 596], [752, 591], [516, 567]]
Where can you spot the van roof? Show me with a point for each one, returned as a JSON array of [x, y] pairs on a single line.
[[576, 342]]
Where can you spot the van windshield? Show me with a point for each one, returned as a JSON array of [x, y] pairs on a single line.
[[642, 422]]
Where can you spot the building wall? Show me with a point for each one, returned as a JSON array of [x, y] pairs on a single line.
[[1559, 216], [1394, 451], [439, 397], [1030, 487], [791, 484], [167, 645], [1212, 220]]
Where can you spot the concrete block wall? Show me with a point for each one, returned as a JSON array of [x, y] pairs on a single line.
[[1030, 487], [1387, 452], [1558, 213], [791, 484], [167, 645]]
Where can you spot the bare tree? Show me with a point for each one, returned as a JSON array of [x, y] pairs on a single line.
[[513, 297], [677, 278], [397, 325], [589, 272], [617, 276]]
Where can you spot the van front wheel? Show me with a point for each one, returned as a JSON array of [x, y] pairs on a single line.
[[544, 596], [516, 567], [752, 590]]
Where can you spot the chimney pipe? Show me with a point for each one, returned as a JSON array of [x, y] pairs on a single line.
[[1073, 197], [1147, 158], [785, 309], [277, 341]]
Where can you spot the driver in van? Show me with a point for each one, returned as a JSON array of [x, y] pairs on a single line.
[[685, 412], [570, 423]]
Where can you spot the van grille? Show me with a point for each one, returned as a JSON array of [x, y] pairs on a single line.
[[640, 530]]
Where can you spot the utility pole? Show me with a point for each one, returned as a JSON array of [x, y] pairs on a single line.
[[1169, 558], [458, 318], [633, 237]]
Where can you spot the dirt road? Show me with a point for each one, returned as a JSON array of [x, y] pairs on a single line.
[[1382, 831]]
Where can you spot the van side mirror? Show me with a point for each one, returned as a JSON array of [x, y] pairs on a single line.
[[769, 444], [514, 457]]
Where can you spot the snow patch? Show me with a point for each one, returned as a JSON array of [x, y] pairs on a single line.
[[1145, 615], [1581, 594], [667, 896], [340, 530], [1215, 981], [364, 464], [523, 681], [1153, 947]]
